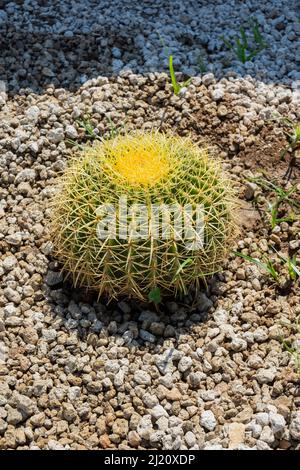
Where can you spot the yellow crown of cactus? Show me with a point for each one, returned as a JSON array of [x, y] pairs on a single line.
[[146, 170]]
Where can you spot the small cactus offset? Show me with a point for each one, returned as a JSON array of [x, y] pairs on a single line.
[[131, 253]]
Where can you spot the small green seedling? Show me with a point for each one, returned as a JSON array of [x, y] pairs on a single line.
[[75, 144], [293, 137], [257, 36], [177, 87], [90, 133], [114, 130], [274, 209], [155, 296], [294, 272], [291, 263], [281, 196], [241, 47], [294, 148], [267, 266], [293, 350], [284, 195], [88, 128]]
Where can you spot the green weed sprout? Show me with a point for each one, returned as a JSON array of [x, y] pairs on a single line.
[[291, 263], [267, 266], [293, 134], [177, 87], [294, 272], [281, 196], [294, 351], [241, 47], [294, 140], [274, 209], [88, 128]]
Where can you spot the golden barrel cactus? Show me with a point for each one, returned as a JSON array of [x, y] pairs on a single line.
[[140, 212]]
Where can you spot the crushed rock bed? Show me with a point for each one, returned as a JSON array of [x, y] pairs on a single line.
[[49, 41], [208, 372]]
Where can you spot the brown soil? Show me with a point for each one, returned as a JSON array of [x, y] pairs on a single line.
[[265, 154], [262, 146]]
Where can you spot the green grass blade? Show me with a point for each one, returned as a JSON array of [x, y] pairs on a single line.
[[175, 85], [252, 260], [244, 38]]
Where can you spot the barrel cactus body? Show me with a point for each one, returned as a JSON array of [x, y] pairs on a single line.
[[140, 212]]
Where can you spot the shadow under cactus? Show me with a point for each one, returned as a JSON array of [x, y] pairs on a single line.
[[134, 323]]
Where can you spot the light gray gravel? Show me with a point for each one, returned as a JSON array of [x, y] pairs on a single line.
[[70, 45]]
